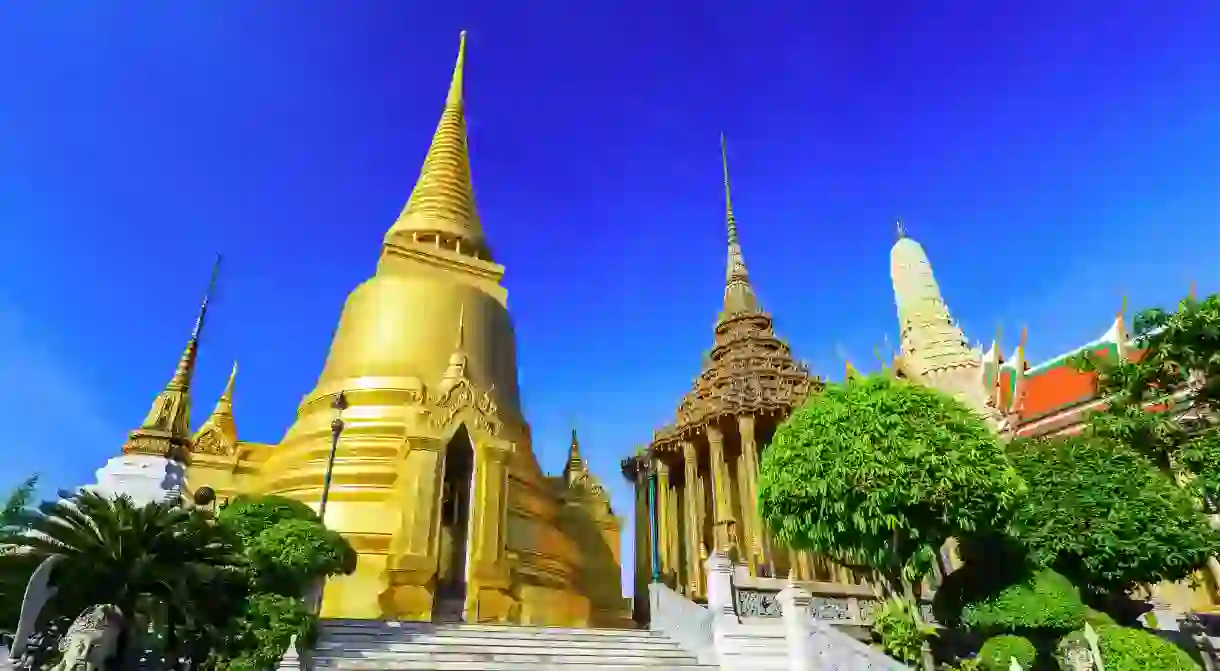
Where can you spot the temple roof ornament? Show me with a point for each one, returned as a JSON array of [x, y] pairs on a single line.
[[218, 434], [442, 201], [749, 370], [166, 430]]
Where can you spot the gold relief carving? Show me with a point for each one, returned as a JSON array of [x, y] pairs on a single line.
[[460, 396], [211, 443]]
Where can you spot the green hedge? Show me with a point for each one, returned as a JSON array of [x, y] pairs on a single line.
[[1126, 649], [998, 651], [1038, 602]]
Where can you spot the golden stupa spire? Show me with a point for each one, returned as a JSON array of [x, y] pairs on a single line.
[[738, 294], [442, 201], [221, 421], [575, 460], [166, 430]]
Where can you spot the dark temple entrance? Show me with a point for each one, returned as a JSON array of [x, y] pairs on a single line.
[[455, 529]]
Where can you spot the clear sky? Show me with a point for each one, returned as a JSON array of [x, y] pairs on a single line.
[[1052, 156]]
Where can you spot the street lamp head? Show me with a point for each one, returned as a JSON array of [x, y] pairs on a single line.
[[204, 496]]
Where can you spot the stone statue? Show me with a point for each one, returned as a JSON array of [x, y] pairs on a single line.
[[1076, 655], [37, 592], [91, 640]]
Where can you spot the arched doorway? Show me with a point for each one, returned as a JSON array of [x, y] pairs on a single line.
[[455, 528]]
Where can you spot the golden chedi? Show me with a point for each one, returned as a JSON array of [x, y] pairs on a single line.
[[435, 482]]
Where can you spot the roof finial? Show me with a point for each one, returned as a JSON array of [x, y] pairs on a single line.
[[901, 230], [454, 99], [1190, 294], [443, 198], [728, 192], [738, 294], [186, 363]]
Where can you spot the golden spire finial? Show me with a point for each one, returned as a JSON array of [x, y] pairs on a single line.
[[227, 395], [442, 201], [738, 294], [1122, 309], [186, 363], [166, 430], [1190, 293]]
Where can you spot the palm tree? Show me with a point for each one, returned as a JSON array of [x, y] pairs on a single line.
[[132, 556]]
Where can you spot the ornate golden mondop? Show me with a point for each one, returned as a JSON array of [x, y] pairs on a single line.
[[705, 464], [434, 482]]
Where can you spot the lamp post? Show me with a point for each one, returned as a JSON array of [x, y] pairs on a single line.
[[336, 430]]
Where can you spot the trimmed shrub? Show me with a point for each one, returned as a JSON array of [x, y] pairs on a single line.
[[1126, 649], [1037, 602], [998, 651]]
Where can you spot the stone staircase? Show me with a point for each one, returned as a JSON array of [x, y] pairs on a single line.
[[392, 646]]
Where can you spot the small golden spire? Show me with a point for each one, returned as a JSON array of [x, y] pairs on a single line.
[[575, 460], [458, 359], [166, 430], [738, 294], [442, 201], [1190, 294], [221, 421]]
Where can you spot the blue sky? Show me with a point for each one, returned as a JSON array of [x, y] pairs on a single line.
[[1051, 156]]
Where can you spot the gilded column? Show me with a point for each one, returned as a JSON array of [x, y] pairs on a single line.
[[749, 450], [744, 526], [675, 536], [412, 562], [665, 531], [694, 572], [725, 535], [488, 598]]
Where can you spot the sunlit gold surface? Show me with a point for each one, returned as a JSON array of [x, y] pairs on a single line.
[[425, 349]]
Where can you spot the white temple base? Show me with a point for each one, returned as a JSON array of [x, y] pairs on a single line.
[[143, 478]]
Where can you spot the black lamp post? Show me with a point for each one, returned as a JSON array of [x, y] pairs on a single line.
[[336, 430]]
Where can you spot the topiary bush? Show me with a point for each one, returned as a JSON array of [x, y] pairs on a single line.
[[1126, 649], [992, 601], [998, 651]]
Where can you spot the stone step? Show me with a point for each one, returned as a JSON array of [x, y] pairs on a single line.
[[485, 657], [526, 645], [387, 635], [385, 625], [432, 665]]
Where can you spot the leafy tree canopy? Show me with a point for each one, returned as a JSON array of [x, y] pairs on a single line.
[[287, 549], [878, 472], [1180, 351], [1102, 514], [285, 544], [17, 505]]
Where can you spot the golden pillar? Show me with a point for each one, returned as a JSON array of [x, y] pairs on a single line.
[[411, 567], [488, 597], [675, 536], [759, 550], [690, 490], [725, 535], [664, 531], [744, 526]]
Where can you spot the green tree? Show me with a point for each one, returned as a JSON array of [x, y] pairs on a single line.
[[1105, 516], [1178, 370], [17, 505], [15, 569], [287, 550], [147, 560], [878, 473]]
